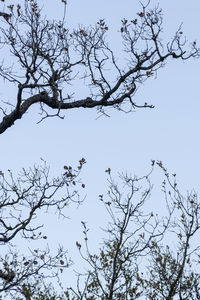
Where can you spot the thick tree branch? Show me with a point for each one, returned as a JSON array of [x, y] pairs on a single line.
[[51, 58]]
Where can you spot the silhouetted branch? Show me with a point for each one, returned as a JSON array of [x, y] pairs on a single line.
[[51, 58]]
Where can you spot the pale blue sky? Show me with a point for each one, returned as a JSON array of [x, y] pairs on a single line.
[[123, 142]]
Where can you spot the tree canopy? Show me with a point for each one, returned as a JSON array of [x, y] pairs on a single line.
[[144, 254], [48, 58]]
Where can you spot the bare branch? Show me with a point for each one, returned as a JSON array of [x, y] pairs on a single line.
[[51, 58]]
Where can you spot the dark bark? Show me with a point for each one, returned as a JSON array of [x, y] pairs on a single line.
[[51, 57]]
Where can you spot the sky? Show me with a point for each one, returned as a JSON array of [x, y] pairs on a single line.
[[123, 142]]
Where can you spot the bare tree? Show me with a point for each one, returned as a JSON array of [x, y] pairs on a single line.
[[137, 259], [144, 255], [49, 58], [21, 200]]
